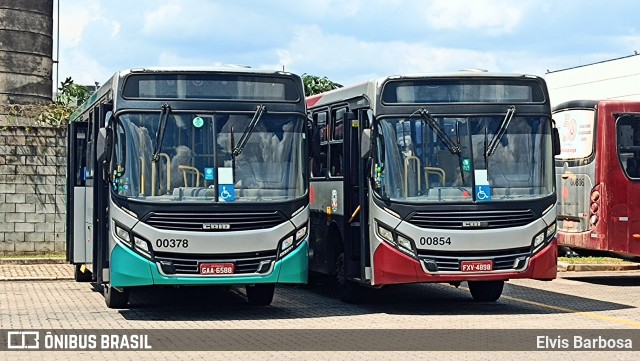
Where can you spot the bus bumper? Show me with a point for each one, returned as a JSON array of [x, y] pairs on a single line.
[[128, 269], [394, 267]]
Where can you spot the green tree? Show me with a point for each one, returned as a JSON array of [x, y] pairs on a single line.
[[58, 112], [316, 85]]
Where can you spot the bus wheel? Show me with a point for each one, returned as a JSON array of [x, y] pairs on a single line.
[[350, 291], [114, 298], [81, 276], [260, 294], [486, 291]]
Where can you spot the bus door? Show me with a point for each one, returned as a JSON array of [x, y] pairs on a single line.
[[625, 214], [353, 208], [100, 201], [575, 177], [79, 251]]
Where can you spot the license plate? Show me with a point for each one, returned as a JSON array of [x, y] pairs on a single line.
[[214, 269], [476, 266]]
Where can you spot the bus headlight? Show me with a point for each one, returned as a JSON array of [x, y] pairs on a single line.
[[286, 244], [301, 233], [405, 244], [544, 237], [386, 234], [122, 234], [142, 246], [551, 230], [538, 239], [291, 241], [398, 241]]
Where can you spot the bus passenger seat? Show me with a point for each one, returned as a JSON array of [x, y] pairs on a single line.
[[633, 167]]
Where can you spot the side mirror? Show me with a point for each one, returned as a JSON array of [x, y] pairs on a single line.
[[369, 118], [555, 134], [365, 143], [108, 118], [104, 144]]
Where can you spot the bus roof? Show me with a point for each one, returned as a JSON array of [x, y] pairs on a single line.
[[368, 88], [113, 81]]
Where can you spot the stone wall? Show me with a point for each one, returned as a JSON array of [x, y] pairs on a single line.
[[32, 190]]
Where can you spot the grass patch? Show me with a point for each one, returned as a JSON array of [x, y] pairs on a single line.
[[593, 260]]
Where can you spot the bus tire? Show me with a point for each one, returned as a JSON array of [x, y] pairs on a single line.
[[260, 294], [350, 291], [82, 276], [486, 291], [115, 298]]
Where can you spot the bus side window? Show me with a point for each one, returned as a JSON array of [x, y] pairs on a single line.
[[337, 143], [319, 137]]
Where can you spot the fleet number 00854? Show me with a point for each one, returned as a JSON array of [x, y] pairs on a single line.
[[435, 241]]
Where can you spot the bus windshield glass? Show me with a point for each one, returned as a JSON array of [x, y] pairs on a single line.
[[576, 133], [414, 164], [196, 160]]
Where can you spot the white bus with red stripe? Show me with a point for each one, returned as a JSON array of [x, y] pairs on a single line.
[[434, 178]]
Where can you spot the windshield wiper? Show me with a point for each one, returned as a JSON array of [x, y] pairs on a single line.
[[165, 109], [248, 130], [493, 144], [433, 124], [454, 148]]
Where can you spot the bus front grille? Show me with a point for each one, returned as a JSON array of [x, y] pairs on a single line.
[[189, 264], [472, 219], [227, 221], [510, 259]]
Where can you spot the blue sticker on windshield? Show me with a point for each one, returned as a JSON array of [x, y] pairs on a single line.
[[208, 174], [483, 193], [226, 193]]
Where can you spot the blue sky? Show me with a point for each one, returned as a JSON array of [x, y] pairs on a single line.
[[346, 41]]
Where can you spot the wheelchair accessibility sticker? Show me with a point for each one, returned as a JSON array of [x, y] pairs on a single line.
[[483, 193], [226, 193]]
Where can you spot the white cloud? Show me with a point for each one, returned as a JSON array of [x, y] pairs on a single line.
[[74, 20], [115, 26], [162, 19], [493, 17], [346, 59], [83, 68]]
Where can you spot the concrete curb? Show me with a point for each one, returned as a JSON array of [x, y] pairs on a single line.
[[25, 261], [32, 278], [567, 267]]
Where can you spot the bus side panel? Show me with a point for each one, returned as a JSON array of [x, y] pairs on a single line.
[[88, 223], [75, 192], [574, 200], [327, 213], [622, 187], [81, 251]]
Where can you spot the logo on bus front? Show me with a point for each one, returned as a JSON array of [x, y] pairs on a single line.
[[474, 224], [216, 226]]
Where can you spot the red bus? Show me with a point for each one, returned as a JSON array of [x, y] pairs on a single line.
[[598, 176], [434, 178]]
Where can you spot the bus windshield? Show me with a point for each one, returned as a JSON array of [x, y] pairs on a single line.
[[196, 162], [414, 163], [576, 127]]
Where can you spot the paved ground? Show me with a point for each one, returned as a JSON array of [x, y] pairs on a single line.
[[43, 296]]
